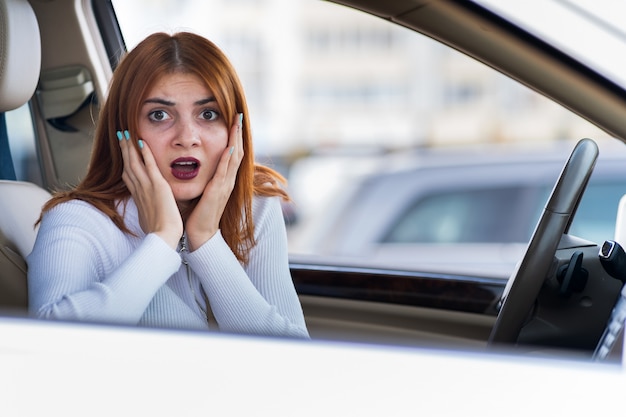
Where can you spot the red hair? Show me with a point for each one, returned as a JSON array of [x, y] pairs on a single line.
[[157, 55]]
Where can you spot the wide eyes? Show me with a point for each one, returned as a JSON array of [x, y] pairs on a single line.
[[209, 114], [162, 115], [158, 116]]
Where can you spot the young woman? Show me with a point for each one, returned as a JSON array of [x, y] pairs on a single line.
[[174, 225]]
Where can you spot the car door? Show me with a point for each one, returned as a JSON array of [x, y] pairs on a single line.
[[333, 84]]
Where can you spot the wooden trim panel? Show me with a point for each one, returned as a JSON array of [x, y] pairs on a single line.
[[449, 292]]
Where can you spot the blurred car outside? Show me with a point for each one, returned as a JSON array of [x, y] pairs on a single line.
[[445, 211]]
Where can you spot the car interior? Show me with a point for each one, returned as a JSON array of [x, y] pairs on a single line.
[[21, 201], [558, 300]]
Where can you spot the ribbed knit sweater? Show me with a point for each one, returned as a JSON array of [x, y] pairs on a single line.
[[85, 268]]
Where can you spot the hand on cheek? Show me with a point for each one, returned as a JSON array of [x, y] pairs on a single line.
[[204, 221], [158, 211]]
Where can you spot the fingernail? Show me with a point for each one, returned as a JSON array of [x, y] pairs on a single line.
[[140, 143], [232, 149], [119, 135], [240, 119], [126, 134]]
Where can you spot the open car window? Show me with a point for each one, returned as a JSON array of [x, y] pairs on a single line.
[[339, 98]]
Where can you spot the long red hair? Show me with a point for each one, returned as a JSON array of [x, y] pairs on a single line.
[[155, 56]]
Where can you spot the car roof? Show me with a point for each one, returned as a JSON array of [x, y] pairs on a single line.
[[523, 164]]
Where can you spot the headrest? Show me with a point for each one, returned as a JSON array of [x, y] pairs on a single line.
[[20, 53]]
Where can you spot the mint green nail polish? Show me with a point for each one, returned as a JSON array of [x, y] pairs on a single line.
[[240, 119], [232, 149], [140, 142], [119, 135], [126, 134]]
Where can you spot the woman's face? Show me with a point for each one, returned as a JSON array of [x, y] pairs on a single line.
[[181, 123]]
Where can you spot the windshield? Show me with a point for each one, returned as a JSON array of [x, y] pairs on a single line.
[[590, 31]]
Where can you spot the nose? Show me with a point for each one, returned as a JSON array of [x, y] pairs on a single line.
[[187, 136]]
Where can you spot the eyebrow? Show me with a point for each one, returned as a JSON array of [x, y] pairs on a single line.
[[205, 101], [164, 102]]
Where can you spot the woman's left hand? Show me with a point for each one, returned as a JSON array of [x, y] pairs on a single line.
[[204, 220]]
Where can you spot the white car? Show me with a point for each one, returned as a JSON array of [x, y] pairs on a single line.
[[385, 341]]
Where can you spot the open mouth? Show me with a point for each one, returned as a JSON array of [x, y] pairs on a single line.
[[185, 168]]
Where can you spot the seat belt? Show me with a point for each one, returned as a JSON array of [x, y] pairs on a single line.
[[7, 170]]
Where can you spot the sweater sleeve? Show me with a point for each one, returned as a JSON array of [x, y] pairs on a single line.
[[83, 267], [260, 298]]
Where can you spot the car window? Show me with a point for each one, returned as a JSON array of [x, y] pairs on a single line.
[[596, 215], [22, 145], [463, 216], [333, 93], [486, 215]]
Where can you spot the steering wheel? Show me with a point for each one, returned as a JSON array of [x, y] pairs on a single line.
[[525, 282]]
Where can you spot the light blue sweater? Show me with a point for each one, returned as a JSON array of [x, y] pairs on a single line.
[[84, 268]]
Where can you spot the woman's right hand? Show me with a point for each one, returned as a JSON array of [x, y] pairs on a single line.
[[158, 211]]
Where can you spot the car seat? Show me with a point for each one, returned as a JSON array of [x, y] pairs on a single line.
[[20, 202]]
